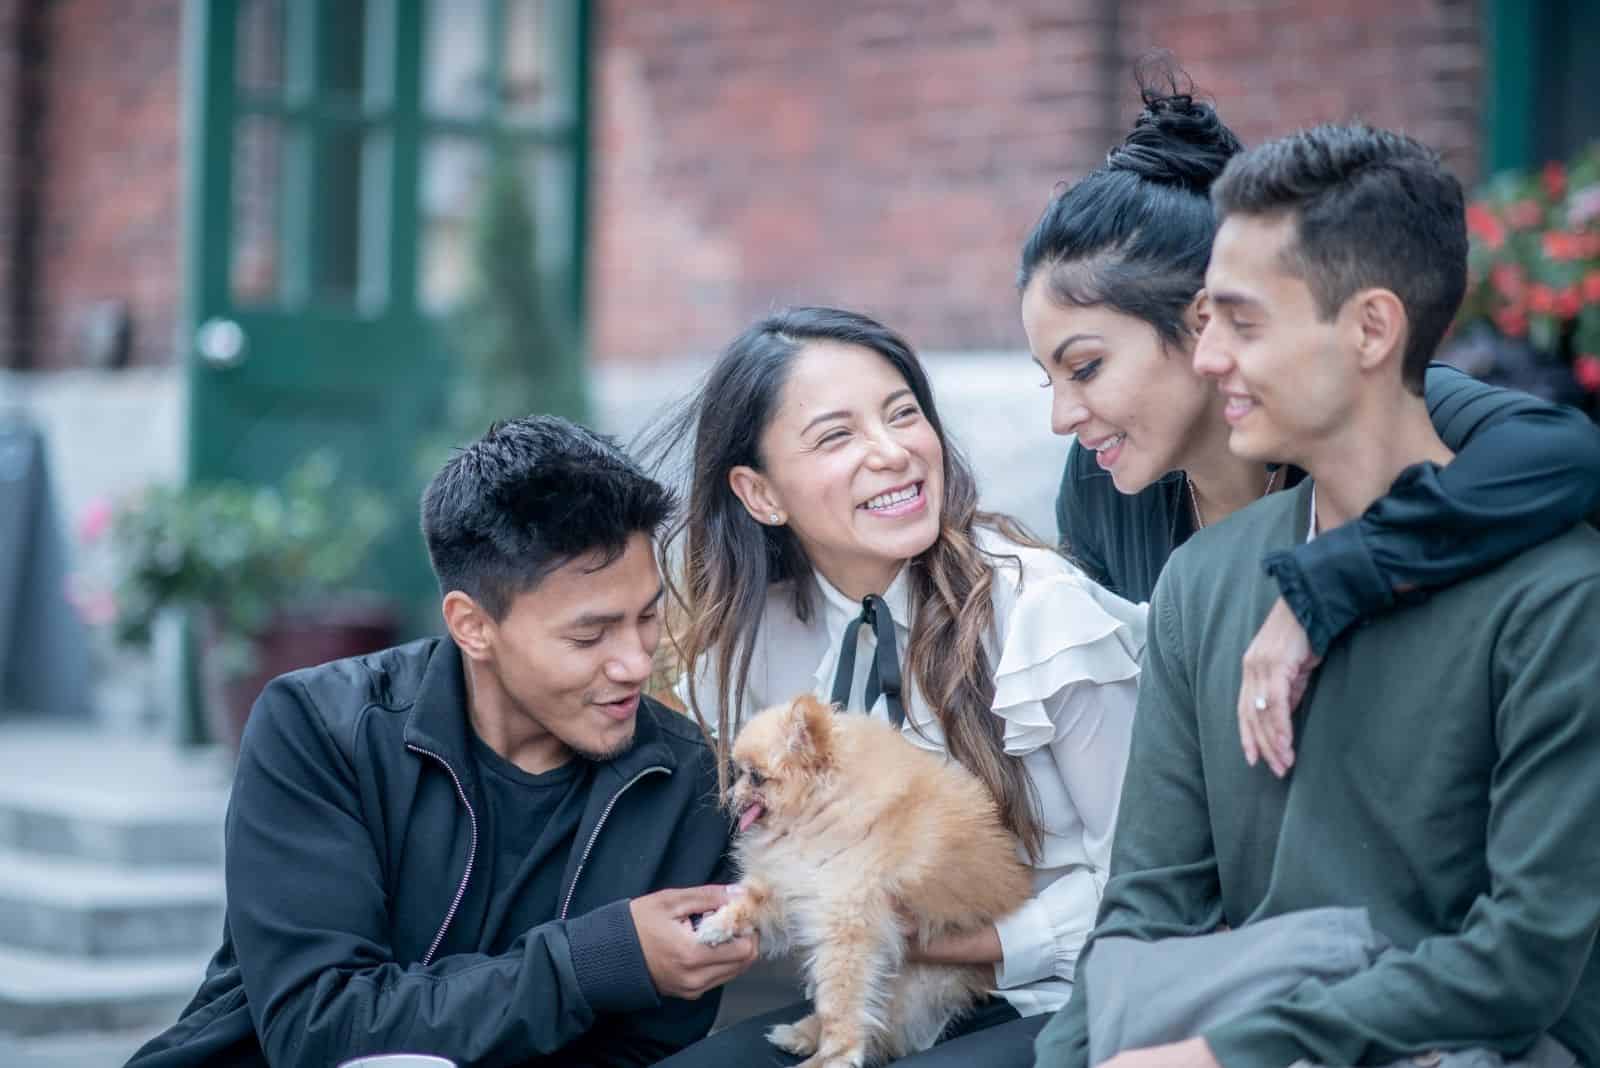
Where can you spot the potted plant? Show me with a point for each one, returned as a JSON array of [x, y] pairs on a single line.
[[264, 572], [1531, 316]]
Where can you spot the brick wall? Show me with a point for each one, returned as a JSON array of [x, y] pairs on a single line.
[[110, 173], [890, 154], [1275, 65], [11, 173], [885, 154]]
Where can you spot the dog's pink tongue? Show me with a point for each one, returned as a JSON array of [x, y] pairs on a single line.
[[749, 816]]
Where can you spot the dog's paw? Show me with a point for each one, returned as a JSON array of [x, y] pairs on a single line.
[[717, 928], [853, 1059], [798, 1038]]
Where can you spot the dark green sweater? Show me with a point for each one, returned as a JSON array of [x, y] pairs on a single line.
[[1444, 778]]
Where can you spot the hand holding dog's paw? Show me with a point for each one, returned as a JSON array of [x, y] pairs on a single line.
[[683, 962], [719, 927]]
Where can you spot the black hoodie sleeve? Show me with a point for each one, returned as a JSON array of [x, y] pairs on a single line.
[[1525, 471], [308, 913]]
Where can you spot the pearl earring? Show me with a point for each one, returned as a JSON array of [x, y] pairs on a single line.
[[774, 518]]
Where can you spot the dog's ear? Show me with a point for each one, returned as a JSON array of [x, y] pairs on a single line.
[[808, 731]]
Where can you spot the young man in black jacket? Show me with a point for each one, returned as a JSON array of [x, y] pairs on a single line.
[[467, 845]]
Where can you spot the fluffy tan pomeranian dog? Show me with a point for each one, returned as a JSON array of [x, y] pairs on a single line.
[[849, 838]]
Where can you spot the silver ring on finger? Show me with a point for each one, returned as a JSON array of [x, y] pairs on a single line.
[[1260, 703]]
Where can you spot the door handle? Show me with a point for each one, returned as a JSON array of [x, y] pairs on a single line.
[[221, 343]]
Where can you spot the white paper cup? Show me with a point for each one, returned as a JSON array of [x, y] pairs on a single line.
[[400, 1060]]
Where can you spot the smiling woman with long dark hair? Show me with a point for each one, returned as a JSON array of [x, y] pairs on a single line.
[[833, 544]]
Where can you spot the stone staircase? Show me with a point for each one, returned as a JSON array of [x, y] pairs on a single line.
[[111, 892]]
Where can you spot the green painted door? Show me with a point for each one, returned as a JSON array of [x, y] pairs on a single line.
[[337, 150], [1540, 59]]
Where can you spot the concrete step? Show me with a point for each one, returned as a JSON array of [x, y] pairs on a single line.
[[66, 997], [101, 1050], [93, 909], [97, 796]]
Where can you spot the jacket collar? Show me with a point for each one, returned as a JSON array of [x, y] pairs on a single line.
[[438, 723]]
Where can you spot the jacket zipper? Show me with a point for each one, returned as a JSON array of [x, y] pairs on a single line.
[[601, 822], [472, 853]]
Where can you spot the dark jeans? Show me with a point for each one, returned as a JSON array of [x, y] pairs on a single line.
[[992, 1035]]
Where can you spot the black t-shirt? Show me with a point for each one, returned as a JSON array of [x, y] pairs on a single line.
[[525, 836]]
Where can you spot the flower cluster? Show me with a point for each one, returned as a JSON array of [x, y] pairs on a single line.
[[1534, 264], [237, 552]]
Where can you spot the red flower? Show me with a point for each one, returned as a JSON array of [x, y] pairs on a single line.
[[1586, 369], [1541, 300], [98, 516], [1512, 322], [1591, 286], [1555, 180], [1507, 280], [1485, 225], [1569, 302], [1524, 214], [1561, 246]]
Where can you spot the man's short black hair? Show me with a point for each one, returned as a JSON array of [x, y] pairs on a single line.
[[529, 496], [1372, 208]]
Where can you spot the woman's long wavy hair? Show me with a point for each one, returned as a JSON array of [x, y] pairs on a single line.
[[729, 560]]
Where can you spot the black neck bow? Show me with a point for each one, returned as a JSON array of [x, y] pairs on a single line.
[[884, 676]]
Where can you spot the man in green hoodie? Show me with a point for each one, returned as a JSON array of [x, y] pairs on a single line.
[[1445, 772]]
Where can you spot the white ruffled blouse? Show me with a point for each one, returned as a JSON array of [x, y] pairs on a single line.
[[1066, 678]]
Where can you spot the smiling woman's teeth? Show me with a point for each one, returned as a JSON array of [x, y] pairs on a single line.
[[888, 500], [1110, 443]]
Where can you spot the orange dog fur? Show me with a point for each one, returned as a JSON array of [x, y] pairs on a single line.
[[847, 831]]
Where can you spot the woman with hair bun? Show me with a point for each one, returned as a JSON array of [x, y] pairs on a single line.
[[1112, 279]]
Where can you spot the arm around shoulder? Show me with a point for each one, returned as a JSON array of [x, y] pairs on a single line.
[[1525, 471]]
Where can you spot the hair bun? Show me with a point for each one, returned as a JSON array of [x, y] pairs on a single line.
[[1177, 140]]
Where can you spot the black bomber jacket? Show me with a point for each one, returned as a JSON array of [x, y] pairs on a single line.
[[351, 837]]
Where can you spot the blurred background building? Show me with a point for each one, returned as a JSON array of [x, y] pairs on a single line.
[[230, 230], [235, 234]]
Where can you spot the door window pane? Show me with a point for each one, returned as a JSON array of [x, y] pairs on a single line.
[[354, 46], [348, 237], [456, 73], [259, 61], [453, 169], [539, 60], [552, 177], [1565, 120], [257, 246], [455, 177]]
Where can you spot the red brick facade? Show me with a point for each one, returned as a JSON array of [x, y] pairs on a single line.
[[1412, 65], [13, 173], [110, 182], [891, 154], [885, 154]]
